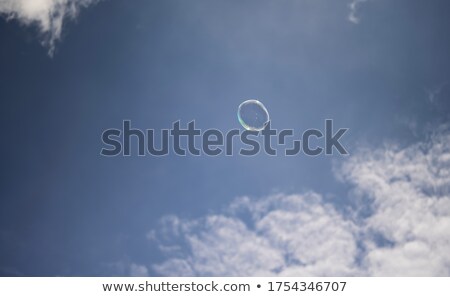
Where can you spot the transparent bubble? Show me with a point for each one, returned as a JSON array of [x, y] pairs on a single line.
[[253, 115]]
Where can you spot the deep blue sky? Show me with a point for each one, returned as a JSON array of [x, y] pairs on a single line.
[[65, 210]]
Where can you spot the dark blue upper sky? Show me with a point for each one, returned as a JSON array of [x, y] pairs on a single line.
[[66, 210]]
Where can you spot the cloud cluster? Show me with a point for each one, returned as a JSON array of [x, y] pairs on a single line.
[[48, 15], [400, 227], [409, 194], [287, 235]]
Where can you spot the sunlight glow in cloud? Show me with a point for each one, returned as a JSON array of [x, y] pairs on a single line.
[[398, 226]]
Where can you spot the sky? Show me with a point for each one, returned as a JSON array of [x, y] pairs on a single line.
[[70, 69]]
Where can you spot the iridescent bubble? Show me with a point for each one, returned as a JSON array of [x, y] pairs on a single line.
[[253, 115]]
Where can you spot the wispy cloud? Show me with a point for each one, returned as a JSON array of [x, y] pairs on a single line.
[[352, 17], [401, 225], [434, 92], [47, 15]]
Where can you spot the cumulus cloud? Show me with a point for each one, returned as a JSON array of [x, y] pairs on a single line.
[[409, 194], [287, 235], [400, 227], [352, 17], [47, 15]]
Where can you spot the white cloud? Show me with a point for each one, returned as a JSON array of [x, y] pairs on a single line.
[[409, 192], [286, 231], [352, 17], [407, 231], [48, 15]]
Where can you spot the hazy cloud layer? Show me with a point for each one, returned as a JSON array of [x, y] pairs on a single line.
[[398, 226], [48, 15]]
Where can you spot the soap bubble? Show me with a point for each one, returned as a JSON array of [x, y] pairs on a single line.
[[253, 115]]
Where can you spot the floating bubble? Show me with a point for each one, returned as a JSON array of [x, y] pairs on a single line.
[[253, 115]]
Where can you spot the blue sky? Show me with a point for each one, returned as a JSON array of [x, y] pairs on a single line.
[[71, 69]]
